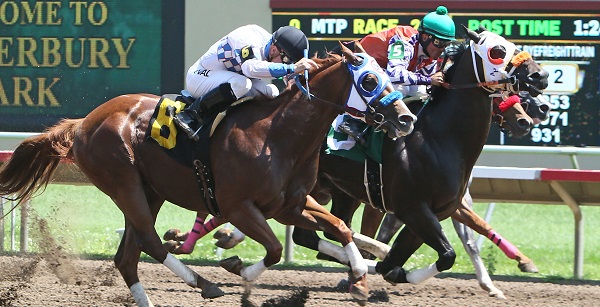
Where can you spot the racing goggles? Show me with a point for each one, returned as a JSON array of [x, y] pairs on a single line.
[[439, 43]]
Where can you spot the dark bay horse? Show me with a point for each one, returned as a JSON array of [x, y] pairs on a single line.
[[425, 175], [264, 156], [516, 120]]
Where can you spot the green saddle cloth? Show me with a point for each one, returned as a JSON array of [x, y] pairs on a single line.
[[357, 152]]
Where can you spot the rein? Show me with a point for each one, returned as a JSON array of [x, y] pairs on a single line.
[[342, 109], [512, 80]]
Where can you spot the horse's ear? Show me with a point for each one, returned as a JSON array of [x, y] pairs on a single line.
[[481, 29], [474, 36], [349, 55], [358, 48], [344, 48]]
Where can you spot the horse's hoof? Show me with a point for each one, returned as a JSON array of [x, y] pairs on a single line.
[[212, 291], [343, 286], [223, 232], [396, 276], [175, 234], [174, 247], [366, 255], [359, 290], [180, 250], [497, 294], [232, 264], [171, 234], [225, 238], [171, 246], [528, 267], [492, 291]]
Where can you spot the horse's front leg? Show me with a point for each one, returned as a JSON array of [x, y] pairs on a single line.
[[316, 217], [226, 239], [485, 282], [422, 226], [467, 216], [250, 221]]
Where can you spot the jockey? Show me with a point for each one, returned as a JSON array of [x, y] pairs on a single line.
[[410, 57], [234, 66]]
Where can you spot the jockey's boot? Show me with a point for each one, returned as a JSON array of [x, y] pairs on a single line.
[[192, 117], [354, 128]]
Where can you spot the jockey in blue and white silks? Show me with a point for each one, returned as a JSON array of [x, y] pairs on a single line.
[[243, 58]]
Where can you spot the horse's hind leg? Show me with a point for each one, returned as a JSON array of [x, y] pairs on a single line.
[[315, 217], [126, 260], [140, 208], [389, 227]]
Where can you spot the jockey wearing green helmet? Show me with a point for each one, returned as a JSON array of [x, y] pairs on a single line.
[[439, 27]]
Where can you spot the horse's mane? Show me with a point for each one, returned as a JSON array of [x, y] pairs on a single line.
[[323, 64], [458, 50]]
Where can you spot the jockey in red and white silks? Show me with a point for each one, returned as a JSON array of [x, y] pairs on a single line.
[[399, 52]]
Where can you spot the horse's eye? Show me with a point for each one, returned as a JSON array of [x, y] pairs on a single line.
[[369, 83], [497, 54]]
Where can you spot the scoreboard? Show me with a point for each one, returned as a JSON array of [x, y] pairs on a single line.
[[565, 43]]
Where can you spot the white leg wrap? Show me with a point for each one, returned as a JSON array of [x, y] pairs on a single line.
[[139, 295], [359, 267], [181, 270], [333, 250], [484, 278], [378, 249], [421, 275], [371, 266], [250, 273]]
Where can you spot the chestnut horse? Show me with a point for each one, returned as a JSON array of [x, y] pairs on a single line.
[[264, 156], [425, 175]]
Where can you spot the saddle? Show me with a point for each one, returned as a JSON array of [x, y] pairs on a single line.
[[193, 154]]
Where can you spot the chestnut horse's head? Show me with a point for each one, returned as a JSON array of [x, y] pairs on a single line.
[[510, 116], [372, 93]]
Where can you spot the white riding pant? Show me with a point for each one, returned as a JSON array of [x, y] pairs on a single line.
[[199, 81], [411, 90]]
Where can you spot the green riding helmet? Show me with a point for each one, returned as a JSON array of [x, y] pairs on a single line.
[[439, 24]]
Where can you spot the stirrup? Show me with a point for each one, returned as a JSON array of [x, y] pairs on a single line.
[[186, 127], [351, 130]]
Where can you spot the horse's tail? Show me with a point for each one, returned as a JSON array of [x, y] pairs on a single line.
[[34, 161]]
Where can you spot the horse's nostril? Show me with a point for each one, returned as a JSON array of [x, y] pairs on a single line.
[[523, 122], [406, 119], [544, 108]]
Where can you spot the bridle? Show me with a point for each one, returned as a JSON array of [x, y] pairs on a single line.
[[493, 68], [506, 104], [509, 83], [371, 99]]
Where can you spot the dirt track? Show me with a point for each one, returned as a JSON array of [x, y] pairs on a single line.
[[51, 281]]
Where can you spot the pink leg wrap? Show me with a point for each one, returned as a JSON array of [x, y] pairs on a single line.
[[198, 231], [509, 250]]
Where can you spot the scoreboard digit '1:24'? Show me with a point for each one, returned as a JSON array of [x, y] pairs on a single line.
[[565, 44]]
